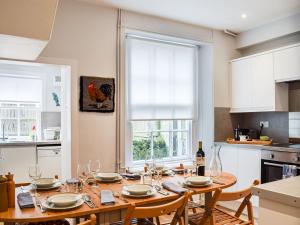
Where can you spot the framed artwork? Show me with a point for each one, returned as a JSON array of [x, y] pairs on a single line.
[[97, 94]]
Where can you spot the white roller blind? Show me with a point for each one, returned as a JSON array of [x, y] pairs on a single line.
[[161, 80], [20, 89]]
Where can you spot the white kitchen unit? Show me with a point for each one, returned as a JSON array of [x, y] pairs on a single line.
[[244, 163], [253, 85], [17, 160], [49, 160], [287, 64]]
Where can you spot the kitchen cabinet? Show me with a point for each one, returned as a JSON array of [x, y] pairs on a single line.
[[16, 160], [286, 64], [253, 86], [244, 163]]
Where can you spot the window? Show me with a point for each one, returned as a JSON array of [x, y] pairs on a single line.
[[161, 102], [18, 118]]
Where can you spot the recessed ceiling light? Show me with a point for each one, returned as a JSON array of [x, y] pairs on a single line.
[[244, 16]]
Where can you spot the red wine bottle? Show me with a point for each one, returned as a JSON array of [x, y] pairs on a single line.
[[200, 159]]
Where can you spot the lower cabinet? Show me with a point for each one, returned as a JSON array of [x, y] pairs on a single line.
[[17, 160], [244, 163]]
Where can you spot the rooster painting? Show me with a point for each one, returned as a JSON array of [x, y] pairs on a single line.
[[97, 94]]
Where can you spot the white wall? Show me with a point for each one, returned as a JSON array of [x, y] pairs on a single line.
[[224, 51], [269, 31], [87, 34]]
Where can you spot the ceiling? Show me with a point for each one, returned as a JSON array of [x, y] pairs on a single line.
[[217, 14]]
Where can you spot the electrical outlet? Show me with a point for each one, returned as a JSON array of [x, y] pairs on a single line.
[[265, 123]]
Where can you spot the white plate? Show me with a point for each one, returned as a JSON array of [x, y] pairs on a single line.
[[107, 176], [64, 200], [51, 206], [45, 182], [127, 194], [55, 185], [197, 185], [118, 178], [198, 180], [138, 189]]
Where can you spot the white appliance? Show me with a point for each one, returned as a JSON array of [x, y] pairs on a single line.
[[49, 160], [52, 133]]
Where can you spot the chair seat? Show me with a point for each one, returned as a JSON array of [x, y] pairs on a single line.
[[194, 205], [221, 218], [135, 221]]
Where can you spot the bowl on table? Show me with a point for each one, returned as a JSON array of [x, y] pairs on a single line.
[[198, 180], [107, 176], [138, 189], [63, 200], [44, 182]]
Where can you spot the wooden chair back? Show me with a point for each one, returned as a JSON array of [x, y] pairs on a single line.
[[246, 194], [155, 211], [91, 221]]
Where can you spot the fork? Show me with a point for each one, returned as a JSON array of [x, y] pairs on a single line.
[[39, 204], [117, 195]]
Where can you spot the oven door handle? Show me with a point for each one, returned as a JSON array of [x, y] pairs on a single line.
[[277, 165]]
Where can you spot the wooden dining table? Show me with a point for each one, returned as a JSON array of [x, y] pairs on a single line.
[[107, 213]]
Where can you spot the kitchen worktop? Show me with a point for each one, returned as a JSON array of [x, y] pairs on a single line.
[[16, 143], [286, 191], [265, 147]]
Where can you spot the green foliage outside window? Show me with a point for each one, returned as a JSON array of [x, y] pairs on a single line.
[[142, 147]]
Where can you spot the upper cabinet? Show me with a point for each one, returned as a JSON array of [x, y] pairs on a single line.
[[253, 85], [287, 64], [25, 27]]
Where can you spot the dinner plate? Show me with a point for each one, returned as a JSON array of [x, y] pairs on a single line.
[[118, 178], [64, 200], [198, 179], [148, 194], [45, 182], [187, 183], [51, 206], [56, 185]]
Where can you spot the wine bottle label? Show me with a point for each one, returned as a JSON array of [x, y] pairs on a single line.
[[200, 161]]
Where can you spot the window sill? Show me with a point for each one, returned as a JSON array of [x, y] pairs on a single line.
[[168, 163]]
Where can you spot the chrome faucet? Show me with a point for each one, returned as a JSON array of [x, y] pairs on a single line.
[[3, 132]]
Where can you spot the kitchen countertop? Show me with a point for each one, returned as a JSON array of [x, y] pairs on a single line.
[[13, 143], [264, 147], [286, 191]]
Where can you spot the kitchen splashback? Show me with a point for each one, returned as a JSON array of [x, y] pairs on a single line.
[[51, 119], [278, 128]]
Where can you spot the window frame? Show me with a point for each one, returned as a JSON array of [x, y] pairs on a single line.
[[19, 118], [128, 134]]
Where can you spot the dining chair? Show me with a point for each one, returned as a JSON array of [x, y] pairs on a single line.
[[144, 215], [214, 215], [90, 221]]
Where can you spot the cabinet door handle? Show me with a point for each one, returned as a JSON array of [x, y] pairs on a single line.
[[277, 165]]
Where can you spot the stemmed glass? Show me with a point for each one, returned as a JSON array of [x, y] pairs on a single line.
[[82, 174], [94, 167], [34, 172]]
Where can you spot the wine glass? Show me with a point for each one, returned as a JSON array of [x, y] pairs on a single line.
[[82, 174], [159, 167], [34, 172], [94, 168]]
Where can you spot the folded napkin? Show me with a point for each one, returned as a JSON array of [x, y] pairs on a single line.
[[173, 187], [107, 197], [25, 200], [131, 176]]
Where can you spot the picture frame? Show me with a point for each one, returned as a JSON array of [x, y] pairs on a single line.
[[97, 94]]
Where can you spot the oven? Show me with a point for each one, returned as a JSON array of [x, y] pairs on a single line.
[[272, 163]]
